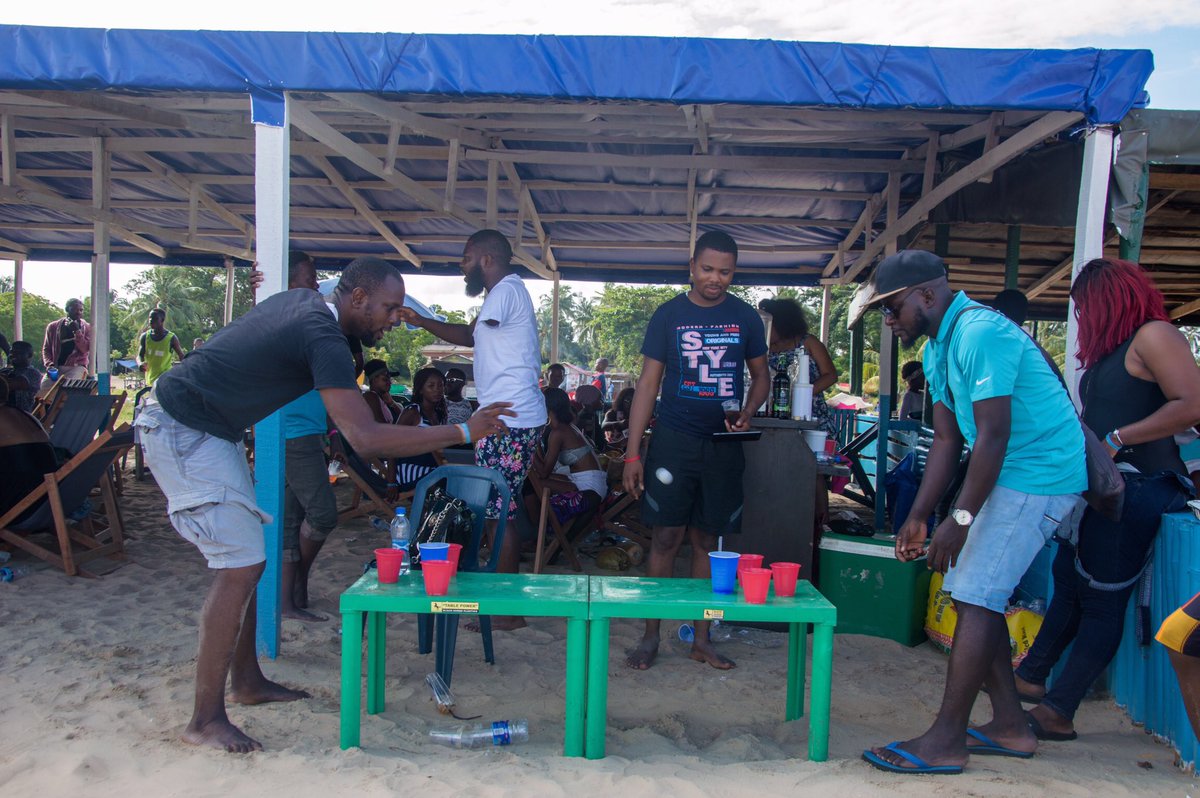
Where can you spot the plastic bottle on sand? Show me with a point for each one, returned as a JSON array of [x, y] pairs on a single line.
[[501, 732]]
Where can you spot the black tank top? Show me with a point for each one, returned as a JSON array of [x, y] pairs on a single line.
[[1112, 397]]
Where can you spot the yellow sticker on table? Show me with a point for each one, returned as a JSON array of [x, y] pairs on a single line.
[[714, 615], [454, 606]]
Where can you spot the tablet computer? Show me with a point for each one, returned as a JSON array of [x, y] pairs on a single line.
[[748, 435]]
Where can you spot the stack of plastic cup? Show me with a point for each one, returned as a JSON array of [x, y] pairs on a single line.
[[433, 551], [724, 570]]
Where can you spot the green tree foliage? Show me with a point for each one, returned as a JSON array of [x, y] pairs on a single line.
[[401, 347], [621, 315], [576, 328], [193, 296], [36, 313]]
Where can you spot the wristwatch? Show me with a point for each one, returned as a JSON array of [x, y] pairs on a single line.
[[962, 517]]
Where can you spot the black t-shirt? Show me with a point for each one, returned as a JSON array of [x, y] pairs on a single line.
[[705, 350], [284, 347]]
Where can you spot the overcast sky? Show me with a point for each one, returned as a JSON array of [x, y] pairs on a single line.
[[1170, 28]]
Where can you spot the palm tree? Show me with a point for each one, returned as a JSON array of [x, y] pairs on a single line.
[[168, 288]]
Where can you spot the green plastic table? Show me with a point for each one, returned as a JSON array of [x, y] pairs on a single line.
[[690, 599], [470, 593]]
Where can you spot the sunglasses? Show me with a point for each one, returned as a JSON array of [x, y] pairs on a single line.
[[891, 311]]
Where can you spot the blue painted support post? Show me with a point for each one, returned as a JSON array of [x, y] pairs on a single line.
[[272, 152]]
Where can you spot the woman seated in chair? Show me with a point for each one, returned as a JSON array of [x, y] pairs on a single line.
[[616, 420], [379, 392], [585, 484], [427, 410]]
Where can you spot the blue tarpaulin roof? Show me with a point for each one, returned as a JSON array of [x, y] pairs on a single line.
[[1102, 84], [605, 154]]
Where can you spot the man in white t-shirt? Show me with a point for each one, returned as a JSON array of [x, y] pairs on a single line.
[[507, 363]]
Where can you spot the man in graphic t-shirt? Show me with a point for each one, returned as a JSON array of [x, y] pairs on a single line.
[[507, 364], [695, 349]]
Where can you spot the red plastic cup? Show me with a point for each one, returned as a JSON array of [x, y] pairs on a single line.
[[453, 554], [437, 575], [387, 563], [785, 574], [755, 583], [830, 446], [748, 561]]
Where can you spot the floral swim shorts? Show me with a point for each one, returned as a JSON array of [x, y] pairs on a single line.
[[512, 455]]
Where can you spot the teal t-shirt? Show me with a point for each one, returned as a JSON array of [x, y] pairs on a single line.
[[985, 356], [305, 416]]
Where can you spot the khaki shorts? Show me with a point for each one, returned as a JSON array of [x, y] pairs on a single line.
[[209, 490]]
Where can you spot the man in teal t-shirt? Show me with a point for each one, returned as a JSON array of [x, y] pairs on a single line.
[[993, 390]]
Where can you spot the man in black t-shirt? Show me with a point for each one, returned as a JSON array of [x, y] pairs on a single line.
[[192, 426], [696, 348]]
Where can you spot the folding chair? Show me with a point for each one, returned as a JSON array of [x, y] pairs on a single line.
[[475, 485], [62, 492], [546, 552], [48, 405], [78, 417], [369, 490]]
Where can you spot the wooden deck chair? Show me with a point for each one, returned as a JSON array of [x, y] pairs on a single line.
[[49, 507], [78, 418], [369, 489], [546, 551]]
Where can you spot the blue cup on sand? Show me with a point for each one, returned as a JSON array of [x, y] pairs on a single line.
[[434, 551], [724, 570]]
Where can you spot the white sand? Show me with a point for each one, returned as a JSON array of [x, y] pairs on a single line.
[[96, 679]]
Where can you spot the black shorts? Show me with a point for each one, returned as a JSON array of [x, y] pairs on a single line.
[[705, 483]]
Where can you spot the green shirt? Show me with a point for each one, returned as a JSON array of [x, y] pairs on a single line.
[[158, 356]]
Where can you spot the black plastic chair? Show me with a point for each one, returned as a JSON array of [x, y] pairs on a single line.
[[475, 485]]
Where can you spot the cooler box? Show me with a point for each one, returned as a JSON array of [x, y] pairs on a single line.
[[875, 594]]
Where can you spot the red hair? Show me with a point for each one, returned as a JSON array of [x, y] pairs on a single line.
[[1113, 298]]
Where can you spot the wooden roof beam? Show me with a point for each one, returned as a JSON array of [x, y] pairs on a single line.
[[143, 113], [160, 169], [365, 210]]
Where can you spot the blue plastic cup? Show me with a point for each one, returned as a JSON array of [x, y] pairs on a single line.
[[52, 373], [724, 570], [434, 551]]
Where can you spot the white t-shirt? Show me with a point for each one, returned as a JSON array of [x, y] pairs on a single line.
[[507, 353]]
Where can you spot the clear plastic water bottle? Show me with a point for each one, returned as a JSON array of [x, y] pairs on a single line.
[[501, 732], [10, 573], [401, 535]]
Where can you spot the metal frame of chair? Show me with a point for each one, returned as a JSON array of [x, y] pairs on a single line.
[[546, 552]]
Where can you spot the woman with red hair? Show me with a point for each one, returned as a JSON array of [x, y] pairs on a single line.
[[1141, 387]]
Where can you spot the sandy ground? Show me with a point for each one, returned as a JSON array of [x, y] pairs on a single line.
[[96, 676]]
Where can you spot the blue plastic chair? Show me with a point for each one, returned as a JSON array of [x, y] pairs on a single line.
[[475, 485]]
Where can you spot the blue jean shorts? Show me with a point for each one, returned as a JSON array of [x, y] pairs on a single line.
[[209, 490], [1009, 531]]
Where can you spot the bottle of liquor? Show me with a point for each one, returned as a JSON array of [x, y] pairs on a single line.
[[781, 396]]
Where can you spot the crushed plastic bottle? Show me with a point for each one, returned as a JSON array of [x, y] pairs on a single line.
[[441, 693], [481, 735]]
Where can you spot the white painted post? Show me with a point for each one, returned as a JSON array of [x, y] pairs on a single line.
[[826, 297], [1089, 232], [229, 290], [272, 153], [554, 314], [19, 302], [101, 345]]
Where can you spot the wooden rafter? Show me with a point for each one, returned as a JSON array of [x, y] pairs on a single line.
[[365, 210]]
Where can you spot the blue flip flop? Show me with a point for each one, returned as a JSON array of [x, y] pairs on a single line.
[[989, 747], [921, 767]]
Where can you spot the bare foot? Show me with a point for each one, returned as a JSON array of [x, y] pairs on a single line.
[[300, 593], [1028, 692], [297, 614], [500, 623], [642, 657], [265, 692], [704, 652], [221, 734]]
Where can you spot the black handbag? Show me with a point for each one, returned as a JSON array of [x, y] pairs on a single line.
[[444, 519]]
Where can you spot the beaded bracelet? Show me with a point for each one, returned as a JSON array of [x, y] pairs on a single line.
[[632, 459]]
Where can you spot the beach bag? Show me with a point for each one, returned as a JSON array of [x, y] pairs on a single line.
[[444, 519]]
